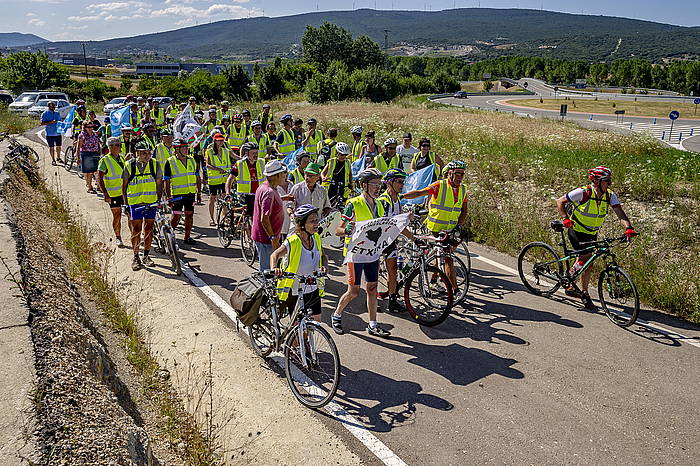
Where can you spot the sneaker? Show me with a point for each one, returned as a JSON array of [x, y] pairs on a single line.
[[588, 302], [336, 323], [378, 331], [189, 240], [573, 292], [136, 264], [147, 261], [120, 243], [395, 306]]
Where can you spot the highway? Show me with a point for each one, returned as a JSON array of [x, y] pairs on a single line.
[[508, 378]]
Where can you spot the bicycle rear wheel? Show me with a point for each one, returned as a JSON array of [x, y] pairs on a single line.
[[69, 158], [223, 225], [315, 383], [461, 274], [247, 244], [428, 295], [30, 154], [540, 269], [261, 334], [618, 296]]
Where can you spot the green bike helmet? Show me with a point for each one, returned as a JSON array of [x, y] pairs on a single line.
[[456, 164], [394, 173]]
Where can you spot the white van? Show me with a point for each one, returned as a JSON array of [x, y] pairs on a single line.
[[26, 100]]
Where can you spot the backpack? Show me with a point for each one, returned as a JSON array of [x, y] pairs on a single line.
[[247, 298], [132, 169]]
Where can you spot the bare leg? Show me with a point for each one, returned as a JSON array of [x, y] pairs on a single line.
[[352, 292], [372, 301], [189, 220], [392, 275], [117, 221], [136, 235], [147, 234]]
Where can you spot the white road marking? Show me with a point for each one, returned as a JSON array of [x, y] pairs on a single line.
[[354, 426], [693, 341]]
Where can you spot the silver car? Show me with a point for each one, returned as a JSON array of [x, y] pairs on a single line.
[[62, 107], [114, 104], [27, 100]]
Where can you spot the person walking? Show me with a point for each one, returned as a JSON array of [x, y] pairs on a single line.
[[310, 191], [218, 159], [265, 116], [312, 137], [89, 151], [164, 149], [357, 143], [50, 118], [285, 142], [109, 181], [268, 215], [180, 176], [258, 137], [337, 174]]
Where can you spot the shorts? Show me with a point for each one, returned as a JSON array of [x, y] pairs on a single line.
[[391, 252], [577, 239], [54, 141], [186, 203], [355, 270], [311, 301], [141, 212], [216, 189], [249, 201], [89, 161], [116, 202]]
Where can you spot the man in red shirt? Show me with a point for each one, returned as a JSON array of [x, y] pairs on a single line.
[[268, 214]]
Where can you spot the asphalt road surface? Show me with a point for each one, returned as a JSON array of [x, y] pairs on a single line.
[[509, 378]]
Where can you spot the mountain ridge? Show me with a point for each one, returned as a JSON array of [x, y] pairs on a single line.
[[19, 39]]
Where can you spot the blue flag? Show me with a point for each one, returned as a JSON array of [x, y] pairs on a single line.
[[117, 118], [418, 180], [291, 159], [63, 126], [358, 166]]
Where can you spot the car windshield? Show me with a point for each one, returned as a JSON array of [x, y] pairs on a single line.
[[42, 103], [26, 97], [118, 100]]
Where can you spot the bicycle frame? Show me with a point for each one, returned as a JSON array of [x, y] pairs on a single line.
[[598, 249]]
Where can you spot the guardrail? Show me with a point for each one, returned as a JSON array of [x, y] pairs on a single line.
[[481, 94]]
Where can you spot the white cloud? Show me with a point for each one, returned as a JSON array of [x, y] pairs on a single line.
[[77, 28], [115, 6], [31, 15], [217, 10], [37, 22]]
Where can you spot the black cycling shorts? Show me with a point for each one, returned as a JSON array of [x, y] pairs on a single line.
[[216, 189], [116, 202], [249, 200], [311, 301], [578, 239], [185, 203]]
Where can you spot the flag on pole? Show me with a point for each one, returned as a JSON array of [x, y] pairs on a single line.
[[185, 126], [357, 166], [65, 127], [117, 118], [418, 180]]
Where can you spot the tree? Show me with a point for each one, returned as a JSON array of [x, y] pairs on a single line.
[[125, 86], [488, 85], [237, 82], [326, 43], [443, 82], [24, 70], [375, 84], [366, 53], [320, 88], [269, 83]]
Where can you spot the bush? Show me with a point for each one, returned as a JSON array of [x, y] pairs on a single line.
[[374, 84], [443, 82], [320, 88]]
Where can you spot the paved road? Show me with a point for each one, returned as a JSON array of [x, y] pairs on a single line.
[[508, 378]]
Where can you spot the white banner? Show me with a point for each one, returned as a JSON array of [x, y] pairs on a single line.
[[329, 224], [371, 237], [185, 126]]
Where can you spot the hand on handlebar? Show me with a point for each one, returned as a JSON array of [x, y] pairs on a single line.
[[568, 223], [630, 233]]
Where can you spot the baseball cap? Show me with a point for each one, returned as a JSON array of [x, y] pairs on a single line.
[[313, 169]]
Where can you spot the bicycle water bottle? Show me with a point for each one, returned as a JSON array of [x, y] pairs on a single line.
[[399, 263], [576, 267]]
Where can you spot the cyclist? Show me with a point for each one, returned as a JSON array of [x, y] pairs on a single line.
[[247, 173], [258, 137], [285, 142], [304, 252], [357, 143], [218, 159], [312, 137], [391, 202], [128, 144], [109, 181], [164, 150], [296, 176], [149, 135], [362, 207], [180, 175], [388, 159], [310, 191], [142, 184], [246, 119], [326, 149], [266, 116], [584, 210], [338, 170], [223, 111], [425, 158], [237, 133], [447, 207]]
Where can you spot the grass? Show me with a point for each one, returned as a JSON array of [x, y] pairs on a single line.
[[479, 87], [518, 166], [15, 123], [587, 105]]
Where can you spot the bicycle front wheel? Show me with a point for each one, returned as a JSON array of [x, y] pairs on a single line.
[[30, 154], [461, 275], [313, 379], [223, 225], [69, 158], [428, 295], [247, 243], [540, 268], [618, 296], [174, 258], [261, 334]]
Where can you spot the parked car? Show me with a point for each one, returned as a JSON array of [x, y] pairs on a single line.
[[28, 99], [5, 98], [114, 104], [62, 107], [163, 102], [461, 95]]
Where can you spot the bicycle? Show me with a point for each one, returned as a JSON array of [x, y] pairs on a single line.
[[543, 272], [164, 235], [20, 154], [226, 210], [70, 156], [244, 224], [311, 359]]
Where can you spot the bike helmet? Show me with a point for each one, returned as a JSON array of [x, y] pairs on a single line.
[[80, 107], [225, 118], [245, 112], [224, 102], [80, 102], [312, 121], [456, 164], [142, 145], [390, 141], [342, 148], [255, 123], [368, 175], [285, 117], [356, 130], [599, 172], [237, 117], [394, 173], [302, 212], [248, 146], [166, 132], [301, 155]]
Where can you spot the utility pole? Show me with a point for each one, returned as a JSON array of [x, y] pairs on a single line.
[[85, 61], [386, 40]]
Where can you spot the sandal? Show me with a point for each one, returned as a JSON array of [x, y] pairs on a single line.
[[212, 223]]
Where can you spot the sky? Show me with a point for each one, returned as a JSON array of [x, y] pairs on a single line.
[[102, 19]]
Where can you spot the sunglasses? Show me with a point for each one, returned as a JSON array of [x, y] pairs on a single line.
[[426, 145], [458, 173], [391, 148], [399, 180]]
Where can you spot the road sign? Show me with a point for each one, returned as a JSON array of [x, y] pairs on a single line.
[[674, 115], [620, 116], [487, 75], [696, 101], [525, 86], [563, 110], [619, 112]]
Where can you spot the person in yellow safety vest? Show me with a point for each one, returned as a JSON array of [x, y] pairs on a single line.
[[127, 142], [447, 208], [247, 174], [173, 110], [304, 252], [266, 116], [211, 121], [326, 149], [388, 159], [425, 157], [285, 138], [142, 185], [193, 104], [109, 181], [149, 135], [158, 115], [165, 149], [80, 116], [297, 175], [224, 111], [583, 211], [246, 119], [311, 138], [181, 176], [237, 132], [134, 115], [218, 160], [338, 172], [357, 209], [258, 137], [357, 143]]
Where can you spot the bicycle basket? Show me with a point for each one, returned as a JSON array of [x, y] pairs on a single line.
[[247, 298]]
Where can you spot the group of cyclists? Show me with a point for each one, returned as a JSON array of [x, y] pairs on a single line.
[[235, 154]]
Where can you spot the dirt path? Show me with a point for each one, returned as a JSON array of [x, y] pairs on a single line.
[[256, 419]]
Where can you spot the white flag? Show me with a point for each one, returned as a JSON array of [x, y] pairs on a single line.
[[371, 237], [185, 126]]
